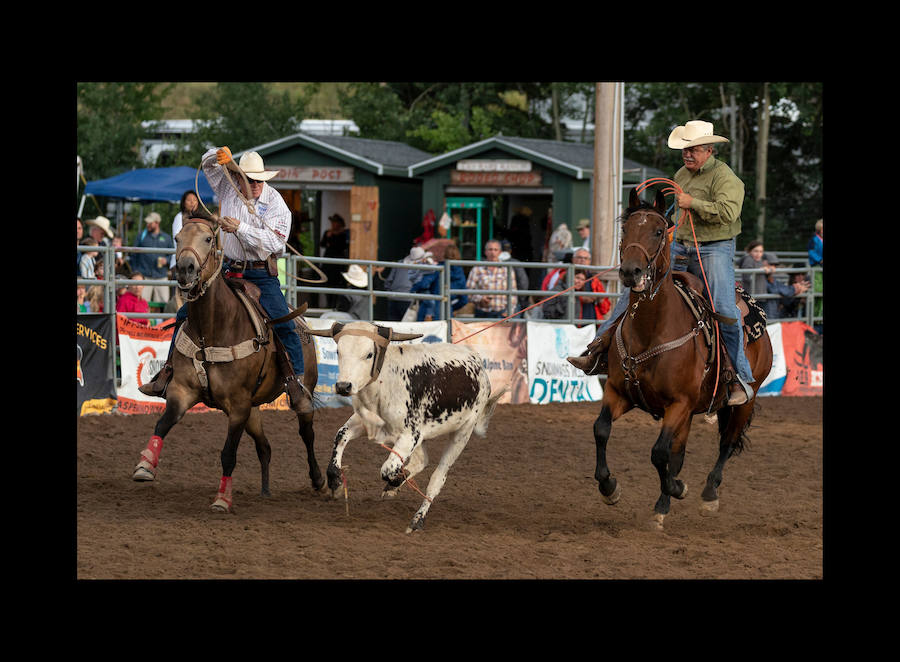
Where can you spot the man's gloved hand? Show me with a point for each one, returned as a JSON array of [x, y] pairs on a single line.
[[223, 155]]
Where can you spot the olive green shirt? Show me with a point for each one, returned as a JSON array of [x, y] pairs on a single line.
[[718, 198]]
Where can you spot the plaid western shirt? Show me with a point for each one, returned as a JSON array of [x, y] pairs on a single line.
[[252, 241], [491, 278]]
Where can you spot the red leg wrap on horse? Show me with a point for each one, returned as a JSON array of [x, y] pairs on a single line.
[[224, 492], [154, 448]]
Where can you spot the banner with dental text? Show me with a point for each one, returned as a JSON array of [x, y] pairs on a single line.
[[551, 378], [95, 387], [326, 354], [503, 348]]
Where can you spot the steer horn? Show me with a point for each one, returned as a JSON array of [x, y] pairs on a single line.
[[405, 336], [327, 333]]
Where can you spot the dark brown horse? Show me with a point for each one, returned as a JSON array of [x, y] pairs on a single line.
[[660, 362], [226, 360]]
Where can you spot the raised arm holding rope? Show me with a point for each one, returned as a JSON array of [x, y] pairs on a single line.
[[707, 190], [256, 222]]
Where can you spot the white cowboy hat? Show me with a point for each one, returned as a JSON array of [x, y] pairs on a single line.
[[252, 165], [418, 254], [355, 275], [695, 132], [103, 223]]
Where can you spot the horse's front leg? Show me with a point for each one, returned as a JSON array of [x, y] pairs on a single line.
[[611, 407], [178, 401], [352, 429], [668, 456]]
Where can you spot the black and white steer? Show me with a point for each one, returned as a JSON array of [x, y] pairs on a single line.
[[405, 394]]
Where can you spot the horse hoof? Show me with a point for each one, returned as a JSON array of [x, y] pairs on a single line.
[[656, 523], [142, 474], [221, 506], [684, 492], [709, 507], [613, 498]]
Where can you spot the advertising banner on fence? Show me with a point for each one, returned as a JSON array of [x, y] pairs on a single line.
[[773, 384], [802, 349], [142, 353], [504, 350], [95, 387], [550, 376], [326, 354]]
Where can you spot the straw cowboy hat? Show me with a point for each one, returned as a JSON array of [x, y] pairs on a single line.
[[103, 223], [252, 165], [355, 275], [695, 132]]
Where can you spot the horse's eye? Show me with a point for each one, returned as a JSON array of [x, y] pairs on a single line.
[[209, 240]]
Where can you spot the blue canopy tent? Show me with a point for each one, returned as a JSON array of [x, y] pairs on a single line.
[[152, 185]]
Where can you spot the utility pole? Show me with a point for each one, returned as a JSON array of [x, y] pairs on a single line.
[[607, 172]]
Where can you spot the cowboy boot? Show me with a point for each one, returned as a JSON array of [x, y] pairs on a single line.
[[299, 396], [595, 359], [739, 392], [157, 386]]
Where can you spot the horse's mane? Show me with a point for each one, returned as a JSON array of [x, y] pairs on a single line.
[[628, 212]]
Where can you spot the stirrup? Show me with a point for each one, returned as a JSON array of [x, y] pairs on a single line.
[[299, 397], [157, 386]]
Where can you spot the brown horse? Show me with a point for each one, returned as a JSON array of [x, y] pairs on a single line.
[[226, 360], [662, 363]]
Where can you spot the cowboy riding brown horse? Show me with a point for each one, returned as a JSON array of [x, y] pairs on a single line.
[[228, 357], [667, 360]]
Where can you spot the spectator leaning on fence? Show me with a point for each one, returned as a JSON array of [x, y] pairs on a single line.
[[491, 278], [774, 308], [154, 266]]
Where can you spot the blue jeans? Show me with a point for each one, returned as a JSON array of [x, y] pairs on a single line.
[[272, 300], [718, 262]]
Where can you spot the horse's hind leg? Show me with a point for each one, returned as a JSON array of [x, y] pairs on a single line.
[[668, 456], [732, 423], [307, 433], [237, 421], [177, 403], [263, 449], [611, 408]]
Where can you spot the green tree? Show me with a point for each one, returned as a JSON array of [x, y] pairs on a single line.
[[109, 131]]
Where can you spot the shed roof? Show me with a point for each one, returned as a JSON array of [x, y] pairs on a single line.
[[576, 159], [383, 157]]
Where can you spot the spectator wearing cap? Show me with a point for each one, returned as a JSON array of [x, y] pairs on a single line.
[[584, 232], [153, 266]]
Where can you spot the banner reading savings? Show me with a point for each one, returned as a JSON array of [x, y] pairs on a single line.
[[530, 357]]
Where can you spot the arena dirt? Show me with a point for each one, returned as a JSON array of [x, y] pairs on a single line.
[[521, 503]]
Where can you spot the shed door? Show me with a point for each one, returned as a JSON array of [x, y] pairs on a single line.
[[364, 223]]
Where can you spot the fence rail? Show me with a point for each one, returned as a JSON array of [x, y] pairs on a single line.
[[292, 288]]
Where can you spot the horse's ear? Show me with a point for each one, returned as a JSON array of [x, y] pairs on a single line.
[[660, 202], [634, 199]]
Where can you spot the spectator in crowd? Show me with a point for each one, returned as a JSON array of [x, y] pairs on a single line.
[[521, 275], [79, 235], [457, 280], [101, 231], [774, 308], [401, 279], [753, 259], [153, 266], [584, 233], [588, 308], [816, 250], [335, 243], [132, 301], [793, 306], [88, 259], [580, 256], [94, 297], [356, 305], [491, 277], [189, 203], [81, 302], [122, 266]]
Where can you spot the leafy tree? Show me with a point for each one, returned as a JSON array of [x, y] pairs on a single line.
[[109, 130]]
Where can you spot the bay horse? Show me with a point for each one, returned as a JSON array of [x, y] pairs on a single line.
[[661, 362], [227, 359]]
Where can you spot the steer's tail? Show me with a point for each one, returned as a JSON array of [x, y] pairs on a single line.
[[482, 425]]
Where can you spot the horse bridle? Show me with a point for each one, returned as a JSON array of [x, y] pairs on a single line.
[[651, 260], [217, 251]]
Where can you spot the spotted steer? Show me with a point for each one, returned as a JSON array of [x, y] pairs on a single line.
[[405, 394]]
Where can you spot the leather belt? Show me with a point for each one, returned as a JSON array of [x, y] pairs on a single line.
[[242, 265]]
